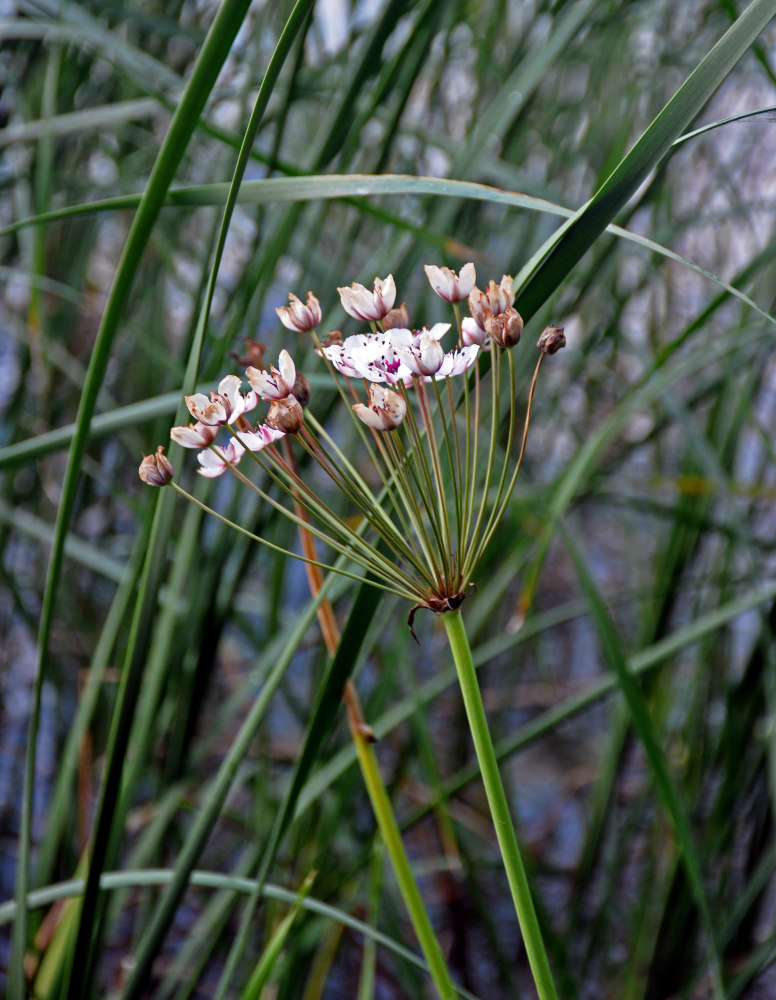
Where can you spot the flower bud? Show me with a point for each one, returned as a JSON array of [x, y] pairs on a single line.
[[286, 414], [398, 318], [551, 340], [360, 303], [156, 470], [301, 389], [504, 329], [299, 316]]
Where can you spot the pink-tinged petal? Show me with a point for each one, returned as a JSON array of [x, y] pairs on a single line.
[[438, 330], [197, 435], [466, 278], [386, 410], [274, 384], [261, 381], [442, 280], [229, 389], [385, 293], [402, 337], [208, 411], [213, 462], [369, 416], [425, 359], [359, 302], [456, 362], [473, 333], [447, 284], [299, 317], [261, 437], [251, 400], [287, 370]]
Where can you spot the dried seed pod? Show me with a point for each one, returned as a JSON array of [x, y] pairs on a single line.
[[551, 340], [504, 329], [301, 389], [156, 470], [286, 414]]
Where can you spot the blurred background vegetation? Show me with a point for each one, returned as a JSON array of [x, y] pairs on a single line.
[[650, 458]]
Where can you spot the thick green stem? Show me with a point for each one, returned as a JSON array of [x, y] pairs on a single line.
[[392, 838], [499, 808]]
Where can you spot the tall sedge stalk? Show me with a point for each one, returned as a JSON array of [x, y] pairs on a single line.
[[444, 484]]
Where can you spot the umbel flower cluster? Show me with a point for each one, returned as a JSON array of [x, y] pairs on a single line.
[[436, 464]]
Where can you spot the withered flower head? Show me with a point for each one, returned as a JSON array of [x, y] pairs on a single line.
[[286, 415], [397, 319], [551, 340], [301, 389], [156, 470], [332, 337], [497, 299], [254, 352], [504, 329]]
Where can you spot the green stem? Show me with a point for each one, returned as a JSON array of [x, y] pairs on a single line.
[[499, 808], [410, 894]]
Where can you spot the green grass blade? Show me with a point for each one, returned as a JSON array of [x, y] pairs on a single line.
[[212, 57], [616, 660], [47, 895], [271, 953], [542, 276], [356, 186]]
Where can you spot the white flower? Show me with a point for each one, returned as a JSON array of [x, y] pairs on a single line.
[[447, 284], [397, 356], [369, 356], [224, 406], [197, 435], [386, 409], [214, 460], [359, 302], [277, 383], [424, 359], [456, 362], [298, 316]]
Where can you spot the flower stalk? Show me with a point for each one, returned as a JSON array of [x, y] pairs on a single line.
[[363, 737], [499, 807], [443, 486]]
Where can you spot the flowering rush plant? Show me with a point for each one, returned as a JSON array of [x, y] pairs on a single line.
[[440, 480], [442, 446]]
